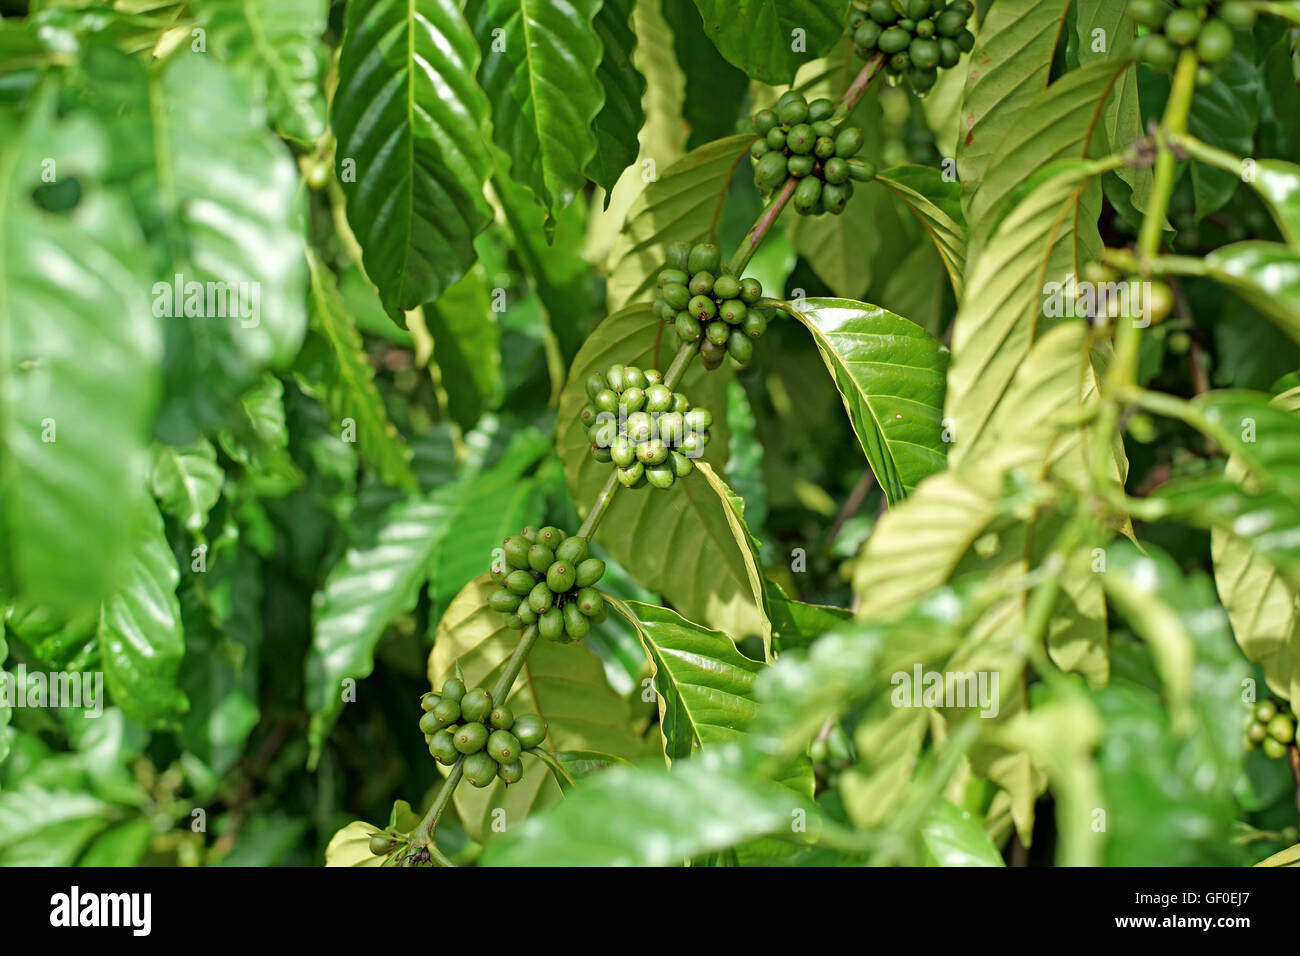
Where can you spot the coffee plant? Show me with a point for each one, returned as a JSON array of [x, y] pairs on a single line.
[[651, 432]]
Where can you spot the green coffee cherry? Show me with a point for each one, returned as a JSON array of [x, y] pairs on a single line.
[[589, 601], [622, 453], [1265, 710], [551, 624], [503, 601], [751, 290], [820, 109], [965, 41], [453, 689], [801, 166], [520, 582], [861, 170], [717, 332], [1239, 16], [756, 321], [479, 769], [883, 12], [530, 730], [525, 614], [1274, 748], [893, 40], [867, 35], [511, 772], [763, 121], [793, 113], [442, 747], [726, 287], [660, 476], [503, 746], [381, 845], [1281, 728], [632, 475], [848, 142], [688, 329], [703, 308], [658, 399], [540, 597], [1256, 732], [702, 283], [516, 550], [679, 255], [740, 346], [502, 717], [770, 172], [540, 557], [470, 738], [476, 705], [705, 257], [560, 577], [1182, 27], [576, 624], [589, 572], [1214, 45], [800, 139], [572, 550], [429, 701], [681, 466]]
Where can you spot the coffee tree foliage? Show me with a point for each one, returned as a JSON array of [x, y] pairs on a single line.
[[324, 333]]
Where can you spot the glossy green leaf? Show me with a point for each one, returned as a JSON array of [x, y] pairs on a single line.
[[639, 816], [622, 116], [141, 637], [796, 624], [231, 288], [123, 845], [1060, 122], [1264, 274], [704, 685], [40, 827], [890, 373], [1263, 606], [682, 205], [1139, 584], [710, 80], [222, 671], [540, 72], [410, 118], [665, 538], [936, 202], [1277, 182], [467, 347], [1008, 68], [1120, 123], [187, 482], [1002, 313], [563, 683], [351, 846], [953, 837], [275, 47], [377, 579], [350, 393], [1225, 113], [759, 36], [74, 432]]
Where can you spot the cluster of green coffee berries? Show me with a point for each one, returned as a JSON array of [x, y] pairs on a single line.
[[831, 753], [548, 578], [1271, 727], [1203, 25], [797, 138], [705, 303], [647, 430], [916, 37], [467, 723]]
